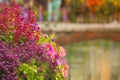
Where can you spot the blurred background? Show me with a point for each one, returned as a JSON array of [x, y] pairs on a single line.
[[94, 59], [77, 11]]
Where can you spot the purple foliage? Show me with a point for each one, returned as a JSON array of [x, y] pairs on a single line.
[[8, 63], [12, 56]]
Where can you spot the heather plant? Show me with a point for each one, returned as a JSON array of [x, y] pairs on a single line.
[[26, 53], [14, 27], [8, 63], [32, 61]]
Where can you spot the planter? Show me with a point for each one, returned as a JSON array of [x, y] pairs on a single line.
[[25, 52]]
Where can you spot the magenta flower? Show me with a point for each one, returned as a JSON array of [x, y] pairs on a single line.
[[20, 55], [51, 50], [18, 23]]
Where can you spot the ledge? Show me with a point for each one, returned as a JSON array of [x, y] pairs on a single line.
[[76, 27]]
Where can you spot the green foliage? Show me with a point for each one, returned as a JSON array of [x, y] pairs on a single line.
[[8, 38], [20, 2], [46, 39], [73, 17], [45, 14], [36, 12], [22, 39], [32, 72]]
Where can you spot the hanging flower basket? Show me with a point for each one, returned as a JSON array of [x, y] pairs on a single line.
[[26, 53]]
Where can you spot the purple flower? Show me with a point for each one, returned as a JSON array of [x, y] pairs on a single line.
[[25, 13], [35, 26]]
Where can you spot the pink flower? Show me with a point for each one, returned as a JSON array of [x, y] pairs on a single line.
[[58, 62], [51, 50], [64, 71], [49, 46], [62, 52], [66, 67], [51, 54]]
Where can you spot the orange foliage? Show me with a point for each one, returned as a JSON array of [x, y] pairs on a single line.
[[116, 3], [92, 3]]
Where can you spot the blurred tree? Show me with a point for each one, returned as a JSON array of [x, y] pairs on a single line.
[[95, 5], [67, 2], [116, 4]]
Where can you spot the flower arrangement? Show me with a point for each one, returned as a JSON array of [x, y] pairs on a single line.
[[26, 53]]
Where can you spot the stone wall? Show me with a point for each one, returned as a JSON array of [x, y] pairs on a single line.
[[64, 38]]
